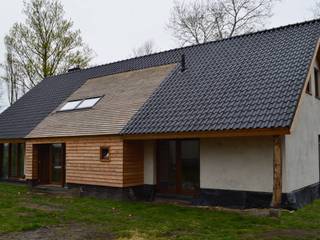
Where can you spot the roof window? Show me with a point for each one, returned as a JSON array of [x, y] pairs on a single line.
[[88, 103], [80, 104]]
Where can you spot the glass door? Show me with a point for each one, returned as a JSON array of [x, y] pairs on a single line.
[[166, 168], [178, 167], [57, 164], [4, 161], [190, 166]]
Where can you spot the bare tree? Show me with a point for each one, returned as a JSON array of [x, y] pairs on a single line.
[[146, 48], [13, 77], [44, 45], [316, 9], [202, 21], [1, 96]]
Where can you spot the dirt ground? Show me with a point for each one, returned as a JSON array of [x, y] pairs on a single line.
[[66, 232], [291, 233]]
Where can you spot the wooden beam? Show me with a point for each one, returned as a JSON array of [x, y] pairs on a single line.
[[277, 172], [210, 134]]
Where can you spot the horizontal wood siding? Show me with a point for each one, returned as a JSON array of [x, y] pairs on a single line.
[[133, 156], [31, 161], [83, 164]]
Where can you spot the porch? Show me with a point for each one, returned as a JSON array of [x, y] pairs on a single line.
[[232, 172]]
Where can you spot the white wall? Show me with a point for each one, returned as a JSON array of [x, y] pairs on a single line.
[[237, 163], [149, 162], [302, 150]]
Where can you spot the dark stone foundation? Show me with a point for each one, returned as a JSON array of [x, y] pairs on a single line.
[[246, 199], [142, 193]]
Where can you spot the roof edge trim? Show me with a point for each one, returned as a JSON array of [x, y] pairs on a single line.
[[305, 83], [211, 134]]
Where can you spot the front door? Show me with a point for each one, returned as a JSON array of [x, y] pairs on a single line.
[[51, 159], [178, 167], [57, 164], [44, 163]]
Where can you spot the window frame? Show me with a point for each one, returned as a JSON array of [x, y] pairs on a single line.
[[98, 99], [20, 166], [102, 159], [67, 110], [80, 102], [309, 87]]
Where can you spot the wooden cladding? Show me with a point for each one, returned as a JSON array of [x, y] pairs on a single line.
[[133, 157], [84, 165]]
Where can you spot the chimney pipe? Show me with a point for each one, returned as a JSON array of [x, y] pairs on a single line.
[[77, 68], [183, 62]]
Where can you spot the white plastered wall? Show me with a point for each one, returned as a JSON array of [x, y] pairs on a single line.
[[301, 146], [149, 163], [244, 164]]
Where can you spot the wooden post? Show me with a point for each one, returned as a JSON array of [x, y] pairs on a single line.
[[277, 173]]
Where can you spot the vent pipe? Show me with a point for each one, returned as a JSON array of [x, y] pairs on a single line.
[[183, 62], [77, 68]]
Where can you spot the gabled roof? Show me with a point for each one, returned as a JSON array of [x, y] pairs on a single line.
[[252, 81], [245, 82]]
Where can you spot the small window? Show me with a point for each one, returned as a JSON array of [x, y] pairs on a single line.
[[105, 154], [88, 103], [70, 105], [316, 82], [308, 90]]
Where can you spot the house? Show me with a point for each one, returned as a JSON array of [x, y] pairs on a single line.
[[234, 123]]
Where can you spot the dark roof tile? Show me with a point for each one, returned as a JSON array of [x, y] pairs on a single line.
[[249, 81]]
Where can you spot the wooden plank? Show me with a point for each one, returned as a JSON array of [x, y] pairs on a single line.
[[277, 173], [210, 134]]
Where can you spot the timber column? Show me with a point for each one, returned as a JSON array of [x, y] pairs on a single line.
[[277, 173]]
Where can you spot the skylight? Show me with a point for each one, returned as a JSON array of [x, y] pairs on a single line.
[[70, 105], [88, 103], [80, 104]]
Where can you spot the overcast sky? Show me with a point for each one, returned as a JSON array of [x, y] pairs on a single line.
[[113, 28]]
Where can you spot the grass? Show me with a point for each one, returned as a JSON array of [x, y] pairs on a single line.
[[21, 210]]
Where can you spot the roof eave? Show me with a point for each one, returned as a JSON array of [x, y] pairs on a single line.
[[210, 134]]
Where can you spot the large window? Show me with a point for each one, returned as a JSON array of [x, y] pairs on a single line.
[[12, 161]]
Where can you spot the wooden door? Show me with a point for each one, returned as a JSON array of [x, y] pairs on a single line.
[[44, 159]]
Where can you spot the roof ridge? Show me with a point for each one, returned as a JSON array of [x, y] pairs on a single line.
[[197, 45]]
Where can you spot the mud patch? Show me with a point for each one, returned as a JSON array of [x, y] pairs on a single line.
[[290, 233], [66, 232], [45, 208]]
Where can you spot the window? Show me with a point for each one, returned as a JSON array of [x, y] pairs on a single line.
[[12, 161], [308, 90], [316, 83], [70, 105], [4, 161], [80, 104], [104, 154], [88, 103]]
